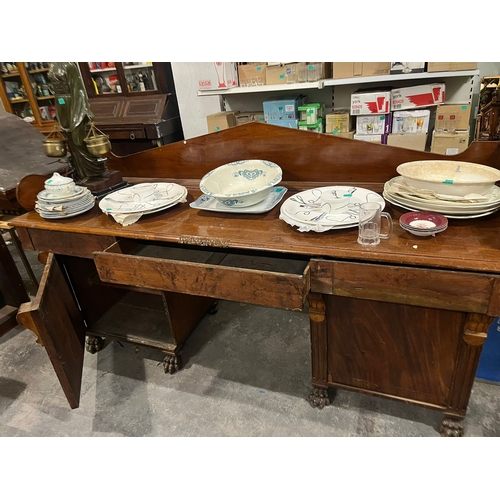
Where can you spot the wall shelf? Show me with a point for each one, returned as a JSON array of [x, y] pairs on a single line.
[[334, 82]]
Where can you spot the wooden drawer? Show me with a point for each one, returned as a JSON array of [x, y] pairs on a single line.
[[255, 278], [437, 288]]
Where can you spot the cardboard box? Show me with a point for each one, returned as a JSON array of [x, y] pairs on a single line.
[[311, 112], [374, 124], [419, 96], [416, 142], [312, 127], [398, 68], [412, 121], [252, 74], [432, 67], [248, 117], [339, 121], [451, 117], [276, 75], [318, 71], [345, 135], [287, 73], [221, 121], [449, 143], [258, 117], [370, 102], [376, 138], [285, 123], [354, 69], [283, 109], [216, 76]]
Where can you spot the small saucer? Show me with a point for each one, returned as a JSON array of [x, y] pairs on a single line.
[[423, 223]]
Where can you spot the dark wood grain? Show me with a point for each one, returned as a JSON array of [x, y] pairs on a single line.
[[302, 156], [422, 287], [405, 319], [55, 316], [240, 283], [394, 350]]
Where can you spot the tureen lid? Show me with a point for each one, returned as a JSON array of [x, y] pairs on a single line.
[[58, 180]]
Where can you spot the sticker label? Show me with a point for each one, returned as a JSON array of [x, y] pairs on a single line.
[[61, 100]]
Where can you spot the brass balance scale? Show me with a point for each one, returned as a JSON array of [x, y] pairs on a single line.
[[97, 142]]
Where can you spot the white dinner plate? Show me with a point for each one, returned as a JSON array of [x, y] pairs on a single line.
[[442, 212], [47, 196], [298, 207], [436, 205], [166, 194]]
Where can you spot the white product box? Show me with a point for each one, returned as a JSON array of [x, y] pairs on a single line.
[[415, 121], [419, 96], [374, 102], [407, 67], [373, 124], [216, 75]]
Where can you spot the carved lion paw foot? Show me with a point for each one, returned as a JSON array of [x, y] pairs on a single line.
[[319, 398], [171, 363], [451, 428], [94, 344], [214, 308]]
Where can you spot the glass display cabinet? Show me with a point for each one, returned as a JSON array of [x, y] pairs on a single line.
[[25, 92]]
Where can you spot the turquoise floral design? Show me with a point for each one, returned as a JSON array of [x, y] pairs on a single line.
[[251, 175]]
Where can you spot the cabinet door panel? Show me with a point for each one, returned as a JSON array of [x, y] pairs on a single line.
[[57, 319]]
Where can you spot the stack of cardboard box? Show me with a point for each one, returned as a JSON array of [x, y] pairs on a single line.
[[451, 129], [311, 117], [413, 111], [340, 123], [372, 109]]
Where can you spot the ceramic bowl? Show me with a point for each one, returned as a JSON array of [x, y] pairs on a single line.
[[60, 185], [241, 183], [449, 177], [423, 223]]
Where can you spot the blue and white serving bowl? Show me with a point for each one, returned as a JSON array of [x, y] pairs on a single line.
[[241, 183]]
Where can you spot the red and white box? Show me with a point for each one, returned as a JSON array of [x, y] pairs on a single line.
[[216, 75], [419, 96], [370, 102]]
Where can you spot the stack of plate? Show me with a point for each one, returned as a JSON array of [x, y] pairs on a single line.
[[60, 206], [123, 201], [304, 210], [423, 223], [459, 209]]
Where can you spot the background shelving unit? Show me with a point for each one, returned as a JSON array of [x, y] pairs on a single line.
[[462, 87], [35, 99]]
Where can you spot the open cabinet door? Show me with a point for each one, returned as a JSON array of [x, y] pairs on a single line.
[[55, 317]]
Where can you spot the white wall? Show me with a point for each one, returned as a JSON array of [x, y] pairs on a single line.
[[194, 109]]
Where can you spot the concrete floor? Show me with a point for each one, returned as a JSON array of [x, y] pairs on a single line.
[[246, 373]]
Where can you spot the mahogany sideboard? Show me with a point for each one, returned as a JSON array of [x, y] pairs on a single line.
[[405, 319]]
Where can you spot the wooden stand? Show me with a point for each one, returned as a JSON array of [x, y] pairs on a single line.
[[101, 188]]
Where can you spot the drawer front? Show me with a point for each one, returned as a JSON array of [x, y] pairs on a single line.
[[440, 289], [132, 134], [254, 279]]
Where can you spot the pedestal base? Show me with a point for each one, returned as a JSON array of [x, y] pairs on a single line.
[[101, 188]]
